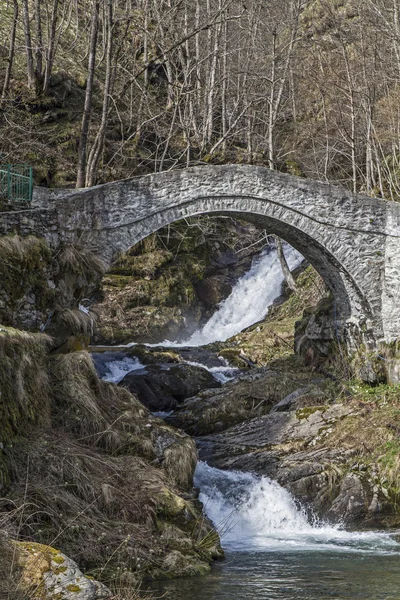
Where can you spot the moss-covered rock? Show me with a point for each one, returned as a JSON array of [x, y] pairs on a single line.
[[41, 289], [47, 574]]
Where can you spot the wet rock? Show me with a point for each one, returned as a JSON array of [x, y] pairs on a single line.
[[161, 389], [253, 395], [212, 290], [149, 392], [176, 564]]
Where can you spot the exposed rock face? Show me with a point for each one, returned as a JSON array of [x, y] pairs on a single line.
[[165, 286], [254, 394], [315, 333], [162, 389], [327, 453], [48, 574]]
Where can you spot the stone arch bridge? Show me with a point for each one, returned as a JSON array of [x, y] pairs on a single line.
[[353, 241]]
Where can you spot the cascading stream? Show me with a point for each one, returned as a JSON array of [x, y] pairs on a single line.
[[248, 302], [273, 551], [255, 513]]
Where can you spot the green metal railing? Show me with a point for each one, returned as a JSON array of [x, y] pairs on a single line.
[[16, 183]]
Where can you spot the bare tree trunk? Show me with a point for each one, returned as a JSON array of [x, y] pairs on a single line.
[[39, 45], [285, 267], [209, 126], [11, 51], [51, 46], [271, 153], [28, 45], [97, 148], [87, 111], [95, 152], [351, 96], [224, 90]]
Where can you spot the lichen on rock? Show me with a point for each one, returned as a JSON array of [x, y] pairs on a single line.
[[47, 574]]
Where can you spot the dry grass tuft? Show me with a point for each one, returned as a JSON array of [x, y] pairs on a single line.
[[99, 413], [19, 249], [180, 459], [23, 382], [9, 573], [80, 261], [76, 321], [99, 509], [371, 434]]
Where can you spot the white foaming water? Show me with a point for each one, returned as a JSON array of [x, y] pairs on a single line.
[[248, 302], [255, 513], [117, 369], [223, 374]]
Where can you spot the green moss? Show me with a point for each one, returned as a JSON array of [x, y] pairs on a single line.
[[24, 263], [73, 588], [307, 411], [169, 504], [145, 265], [293, 168], [60, 570], [58, 559]]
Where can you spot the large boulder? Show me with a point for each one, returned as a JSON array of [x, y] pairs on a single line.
[[162, 389], [46, 574], [254, 395]]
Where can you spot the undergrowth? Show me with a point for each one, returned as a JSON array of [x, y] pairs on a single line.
[[93, 473]]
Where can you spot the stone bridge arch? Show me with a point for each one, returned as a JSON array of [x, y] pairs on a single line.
[[353, 241]]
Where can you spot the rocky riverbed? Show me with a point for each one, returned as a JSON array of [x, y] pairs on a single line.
[[103, 473]]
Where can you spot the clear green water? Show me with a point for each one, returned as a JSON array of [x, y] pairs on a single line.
[[306, 575], [274, 553]]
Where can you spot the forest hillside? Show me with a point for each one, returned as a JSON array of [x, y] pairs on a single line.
[[108, 89]]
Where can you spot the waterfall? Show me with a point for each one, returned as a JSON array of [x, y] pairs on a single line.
[[249, 300], [253, 512]]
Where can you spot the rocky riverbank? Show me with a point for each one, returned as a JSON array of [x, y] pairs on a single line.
[[333, 446], [86, 468], [92, 479]]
